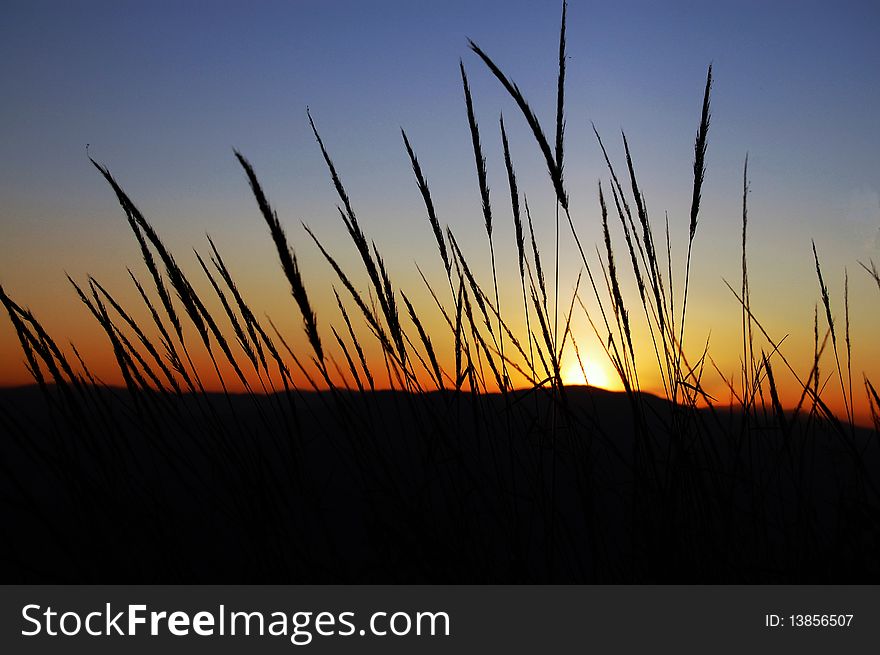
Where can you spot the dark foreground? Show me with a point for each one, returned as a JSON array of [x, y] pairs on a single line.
[[389, 487]]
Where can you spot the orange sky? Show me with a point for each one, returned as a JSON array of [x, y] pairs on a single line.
[[263, 285]]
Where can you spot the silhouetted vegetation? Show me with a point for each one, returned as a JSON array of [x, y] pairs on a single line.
[[484, 468]]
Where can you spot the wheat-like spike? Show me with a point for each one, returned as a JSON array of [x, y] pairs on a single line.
[[429, 204], [288, 259], [552, 168]]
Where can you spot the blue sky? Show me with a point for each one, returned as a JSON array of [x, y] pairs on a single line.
[[163, 91]]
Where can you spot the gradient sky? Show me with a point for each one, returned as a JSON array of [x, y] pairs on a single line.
[[163, 91]]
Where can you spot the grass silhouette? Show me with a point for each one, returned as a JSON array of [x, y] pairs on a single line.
[[486, 468]]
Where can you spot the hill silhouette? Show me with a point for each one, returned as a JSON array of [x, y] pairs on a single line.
[[442, 488]]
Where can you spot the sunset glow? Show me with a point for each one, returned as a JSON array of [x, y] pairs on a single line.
[[163, 120]]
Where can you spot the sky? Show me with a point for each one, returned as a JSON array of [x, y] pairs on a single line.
[[164, 91]]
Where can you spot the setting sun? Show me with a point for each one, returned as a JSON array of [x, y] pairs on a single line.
[[599, 373]]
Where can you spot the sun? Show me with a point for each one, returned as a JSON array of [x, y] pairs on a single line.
[[599, 374]]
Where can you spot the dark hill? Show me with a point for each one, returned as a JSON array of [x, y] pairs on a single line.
[[100, 486]]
